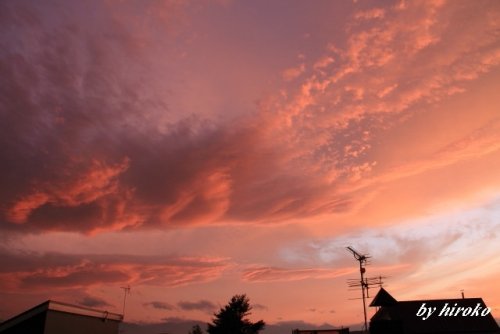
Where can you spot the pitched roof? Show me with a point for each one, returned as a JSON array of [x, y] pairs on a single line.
[[383, 298]]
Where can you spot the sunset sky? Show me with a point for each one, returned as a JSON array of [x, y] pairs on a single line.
[[199, 149]]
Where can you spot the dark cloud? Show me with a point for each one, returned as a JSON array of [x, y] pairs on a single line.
[[53, 110], [160, 305], [89, 142], [93, 302], [175, 320], [81, 117], [315, 310], [202, 305]]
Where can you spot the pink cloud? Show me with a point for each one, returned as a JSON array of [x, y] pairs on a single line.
[[323, 62], [294, 72], [91, 185], [35, 271], [375, 13], [113, 156], [270, 274]]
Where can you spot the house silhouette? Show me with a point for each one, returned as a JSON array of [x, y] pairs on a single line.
[[459, 316]]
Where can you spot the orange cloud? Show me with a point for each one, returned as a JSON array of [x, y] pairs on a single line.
[[270, 274], [97, 181]]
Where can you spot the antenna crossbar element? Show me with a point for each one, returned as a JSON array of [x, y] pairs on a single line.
[[358, 256], [368, 282]]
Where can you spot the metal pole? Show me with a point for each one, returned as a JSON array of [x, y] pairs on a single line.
[[362, 271], [126, 290]]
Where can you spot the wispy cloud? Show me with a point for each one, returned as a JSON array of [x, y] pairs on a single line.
[[93, 302], [269, 274], [201, 305], [160, 305], [23, 271]]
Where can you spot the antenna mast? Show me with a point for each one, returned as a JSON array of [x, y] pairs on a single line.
[[363, 261], [126, 291]]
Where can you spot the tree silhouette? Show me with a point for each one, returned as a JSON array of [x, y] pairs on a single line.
[[231, 318], [196, 330]]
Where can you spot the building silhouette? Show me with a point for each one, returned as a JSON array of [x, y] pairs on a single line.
[[53, 317]]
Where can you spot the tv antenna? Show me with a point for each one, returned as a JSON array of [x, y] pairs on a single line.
[[354, 283], [126, 291], [363, 282]]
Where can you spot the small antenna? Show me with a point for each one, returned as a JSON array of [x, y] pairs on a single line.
[[462, 291], [126, 291]]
